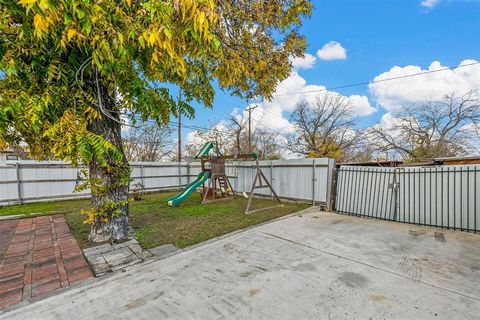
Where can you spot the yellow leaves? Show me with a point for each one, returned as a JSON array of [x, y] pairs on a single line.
[[71, 33], [44, 4], [200, 20], [41, 23], [90, 216], [120, 37], [151, 39], [92, 113], [129, 2], [155, 56], [26, 2]]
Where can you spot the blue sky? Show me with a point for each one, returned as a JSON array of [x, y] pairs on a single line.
[[377, 36]]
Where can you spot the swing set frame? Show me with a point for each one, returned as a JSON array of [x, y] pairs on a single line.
[[219, 178]]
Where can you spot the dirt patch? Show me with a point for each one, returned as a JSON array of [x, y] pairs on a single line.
[[439, 236], [376, 298], [253, 291], [353, 280]]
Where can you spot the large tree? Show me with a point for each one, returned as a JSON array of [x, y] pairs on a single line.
[[324, 127], [70, 69], [444, 128]]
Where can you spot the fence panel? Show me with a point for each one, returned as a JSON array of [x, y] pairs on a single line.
[[366, 192], [303, 179], [442, 196]]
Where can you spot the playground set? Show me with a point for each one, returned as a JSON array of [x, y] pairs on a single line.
[[219, 187]]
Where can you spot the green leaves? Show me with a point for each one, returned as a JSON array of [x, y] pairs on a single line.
[[53, 52]]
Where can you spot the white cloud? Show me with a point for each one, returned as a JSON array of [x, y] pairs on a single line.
[[429, 3], [289, 93], [272, 115], [388, 121], [332, 50], [395, 95], [196, 139], [473, 131], [305, 62]]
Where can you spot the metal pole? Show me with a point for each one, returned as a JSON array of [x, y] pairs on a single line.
[[395, 194], [332, 181], [179, 126], [179, 175], [271, 179], [179, 159], [142, 177], [250, 109], [313, 182], [19, 188]]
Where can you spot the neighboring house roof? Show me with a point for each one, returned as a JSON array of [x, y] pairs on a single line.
[[383, 163], [458, 160], [434, 162]]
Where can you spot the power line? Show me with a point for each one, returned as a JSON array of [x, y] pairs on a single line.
[[264, 110], [364, 83], [381, 80]]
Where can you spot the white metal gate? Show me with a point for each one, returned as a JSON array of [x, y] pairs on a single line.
[[443, 196]]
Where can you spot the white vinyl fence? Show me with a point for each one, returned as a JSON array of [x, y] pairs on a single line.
[[443, 196], [31, 181]]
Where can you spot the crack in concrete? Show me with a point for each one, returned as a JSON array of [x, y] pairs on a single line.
[[370, 266]]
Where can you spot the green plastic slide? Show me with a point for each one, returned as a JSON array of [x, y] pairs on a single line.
[[205, 150], [189, 189]]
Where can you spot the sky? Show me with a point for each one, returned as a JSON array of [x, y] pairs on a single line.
[[360, 41]]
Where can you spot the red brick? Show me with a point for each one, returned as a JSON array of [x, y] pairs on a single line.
[[80, 275], [46, 272], [12, 284], [10, 298], [45, 288], [40, 255], [11, 269], [42, 246], [77, 265]]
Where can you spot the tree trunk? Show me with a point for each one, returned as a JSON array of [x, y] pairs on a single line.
[[112, 193]]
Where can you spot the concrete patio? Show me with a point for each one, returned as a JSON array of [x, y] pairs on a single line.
[[316, 265]]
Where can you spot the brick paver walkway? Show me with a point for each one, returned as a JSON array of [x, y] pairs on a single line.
[[38, 256]]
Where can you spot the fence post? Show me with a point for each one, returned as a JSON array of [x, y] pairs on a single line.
[[313, 182], [332, 183], [271, 179], [395, 193], [188, 172], [179, 175], [19, 187], [237, 174], [142, 178]]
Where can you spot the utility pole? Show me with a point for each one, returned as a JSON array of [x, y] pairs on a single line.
[[250, 109], [179, 126]]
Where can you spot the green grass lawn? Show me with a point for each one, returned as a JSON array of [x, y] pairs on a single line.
[[156, 223]]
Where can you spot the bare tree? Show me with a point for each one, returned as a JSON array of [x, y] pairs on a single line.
[[239, 129], [264, 141], [324, 128], [148, 142], [445, 128], [265, 144]]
